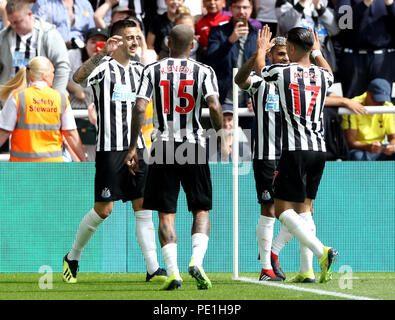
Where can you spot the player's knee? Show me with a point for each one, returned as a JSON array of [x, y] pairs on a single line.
[[138, 204], [104, 209]]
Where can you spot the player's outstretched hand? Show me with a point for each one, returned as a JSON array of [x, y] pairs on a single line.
[[132, 161], [263, 39]]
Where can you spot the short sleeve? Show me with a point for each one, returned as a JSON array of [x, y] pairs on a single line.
[[9, 115], [256, 83], [210, 84], [270, 73], [349, 122], [68, 120], [390, 123], [145, 89], [329, 78], [97, 74]]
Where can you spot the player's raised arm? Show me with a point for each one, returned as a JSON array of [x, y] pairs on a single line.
[[263, 44], [89, 65], [317, 54], [242, 78]]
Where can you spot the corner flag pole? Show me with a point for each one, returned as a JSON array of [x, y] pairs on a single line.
[[235, 159]]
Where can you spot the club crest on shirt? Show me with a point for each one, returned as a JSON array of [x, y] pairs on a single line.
[[106, 193]]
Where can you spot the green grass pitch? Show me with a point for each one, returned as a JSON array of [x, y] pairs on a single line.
[[132, 286]]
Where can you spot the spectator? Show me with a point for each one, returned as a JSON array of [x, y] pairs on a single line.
[[3, 15], [366, 134], [214, 17], [117, 13], [225, 153], [265, 14], [183, 17], [336, 145], [82, 98], [37, 131], [368, 45], [162, 25], [35, 37], [252, 21], [229, 46], [71, 18], [312, 14]]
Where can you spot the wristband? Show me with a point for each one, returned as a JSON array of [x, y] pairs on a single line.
[[316, 53]]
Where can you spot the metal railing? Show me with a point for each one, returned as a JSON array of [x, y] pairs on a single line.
[[244, 112]]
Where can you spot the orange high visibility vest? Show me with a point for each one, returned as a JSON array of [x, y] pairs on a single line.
[[148, 125], [37, 136]]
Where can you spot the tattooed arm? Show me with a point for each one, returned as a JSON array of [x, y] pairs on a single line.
[[88, 66], [242, 78]]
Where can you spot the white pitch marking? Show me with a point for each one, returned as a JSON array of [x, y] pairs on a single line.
[[316, 291]]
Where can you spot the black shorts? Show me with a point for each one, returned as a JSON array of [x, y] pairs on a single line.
[[113, 181], [163, 186], [264, 173], [299, 175]]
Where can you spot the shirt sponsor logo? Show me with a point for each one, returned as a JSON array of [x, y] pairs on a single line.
[[272, 103], [122, 93]]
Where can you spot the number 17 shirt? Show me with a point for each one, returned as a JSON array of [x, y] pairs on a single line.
[[178, 87], [302, 92]]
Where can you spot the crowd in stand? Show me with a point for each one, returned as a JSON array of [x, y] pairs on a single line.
[[357, 39]]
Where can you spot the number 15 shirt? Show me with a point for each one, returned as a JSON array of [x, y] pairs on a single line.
[[178, 88], [302, 94]]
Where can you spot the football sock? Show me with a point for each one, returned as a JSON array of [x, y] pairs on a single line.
[[199, 247], [86, 229], [264, 234], [283, 237], [145, 231], [301, 230], [169, 252], [306, 255]]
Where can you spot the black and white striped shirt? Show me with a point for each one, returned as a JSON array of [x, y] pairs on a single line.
[[265, 101], [178, 87], [23, 48], [302, 94], [114, 89]]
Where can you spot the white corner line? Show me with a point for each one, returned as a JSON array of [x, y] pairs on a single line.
[[296, 288]]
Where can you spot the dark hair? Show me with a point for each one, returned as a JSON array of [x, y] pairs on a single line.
[[119, 26], [301, 37]]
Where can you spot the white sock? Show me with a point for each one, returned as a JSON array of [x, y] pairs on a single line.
[[306, 255], [87, 228], [264, 234], [283, 237], [300, 229], [145, 231], [169, 252], [199, 247]]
